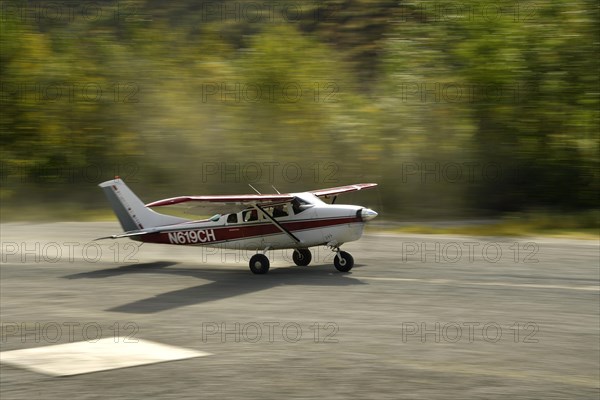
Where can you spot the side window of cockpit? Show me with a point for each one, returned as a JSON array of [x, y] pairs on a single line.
[[232, 219], [279, 211], [250, 215]]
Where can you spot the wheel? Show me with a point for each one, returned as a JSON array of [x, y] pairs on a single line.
[[343, 261], [302, 257], [259, 264]]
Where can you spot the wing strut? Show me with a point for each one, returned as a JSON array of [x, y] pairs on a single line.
[[290, 234]]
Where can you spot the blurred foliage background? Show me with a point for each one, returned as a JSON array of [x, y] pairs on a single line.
[[456, 109]]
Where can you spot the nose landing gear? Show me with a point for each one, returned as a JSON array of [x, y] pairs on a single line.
[[343, 261]]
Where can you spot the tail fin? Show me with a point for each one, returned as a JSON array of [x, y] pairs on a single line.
[[131, 212]]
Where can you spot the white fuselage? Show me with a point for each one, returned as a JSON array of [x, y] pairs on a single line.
[[312, 223]]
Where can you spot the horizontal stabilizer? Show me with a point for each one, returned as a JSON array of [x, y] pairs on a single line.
[[123, 235]]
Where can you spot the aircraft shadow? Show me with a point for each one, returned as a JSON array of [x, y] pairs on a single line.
[[223, 285], [122, 270]]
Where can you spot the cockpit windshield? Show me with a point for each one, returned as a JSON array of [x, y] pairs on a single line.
[[309, 198], [299, 204]]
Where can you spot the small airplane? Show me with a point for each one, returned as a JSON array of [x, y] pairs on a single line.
[[261, 223]]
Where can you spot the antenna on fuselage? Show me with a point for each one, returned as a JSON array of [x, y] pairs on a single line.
[[253, 188], [274, 188]]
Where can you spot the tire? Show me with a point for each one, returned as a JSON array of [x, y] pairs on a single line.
[[259, 264], [302, 257], [343, 261]]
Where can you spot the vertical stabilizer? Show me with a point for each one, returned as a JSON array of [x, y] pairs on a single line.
[[131, 211]]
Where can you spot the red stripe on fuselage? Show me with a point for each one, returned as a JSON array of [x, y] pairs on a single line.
[[244, 231]]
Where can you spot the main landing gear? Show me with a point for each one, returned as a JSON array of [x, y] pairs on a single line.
[[343, 261], [259, 264], [302, 257]]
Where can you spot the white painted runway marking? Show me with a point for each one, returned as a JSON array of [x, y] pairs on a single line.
[[506, 284], [85, 357]]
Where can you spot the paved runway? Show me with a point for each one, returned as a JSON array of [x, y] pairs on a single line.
[[419, 317]]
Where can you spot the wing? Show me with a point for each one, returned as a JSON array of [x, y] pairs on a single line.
[[254, 199], [342, 189], [235, 199]]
